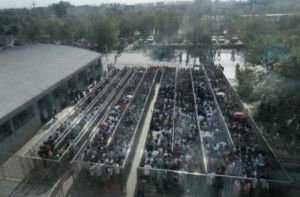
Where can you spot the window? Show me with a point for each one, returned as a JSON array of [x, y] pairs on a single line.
[[81, 76], [71, 83], [23, 117], [5, 130]]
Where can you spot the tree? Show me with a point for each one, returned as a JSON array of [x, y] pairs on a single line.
[[101, 29], [167, 24], [31, 28], [203, 7], [199, 31], [13, 30], [128, 24], [2, 30], [146, 23], [274, 45], [60, 9]]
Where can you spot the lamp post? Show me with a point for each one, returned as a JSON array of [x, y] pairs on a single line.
[[106, 52]]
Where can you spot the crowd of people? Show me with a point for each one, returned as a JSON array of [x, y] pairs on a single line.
[[96, 150], [158, 150], [217, 148], [249, 150], [63, 138], [173, 141], [184, 116], [126, 130], [243, 156], [186, 143]]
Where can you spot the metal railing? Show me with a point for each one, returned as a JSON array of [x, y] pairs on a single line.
[[198, 124], [77, 161], [216, 121], [184, 119], [159, 182], [22, 168], [72, 115], [115, 80], [98, 175], [135, 90], [136, 129], [174, 111], [278, 172], [221, 117], [105, 100]]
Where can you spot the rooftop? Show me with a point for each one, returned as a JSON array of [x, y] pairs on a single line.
[[27, 71]]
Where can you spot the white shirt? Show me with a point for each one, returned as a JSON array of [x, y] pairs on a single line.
[[207, 134], [147, 167], [155, 153]]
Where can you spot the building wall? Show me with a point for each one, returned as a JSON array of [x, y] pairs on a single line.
[[21, 134], [286, 3]]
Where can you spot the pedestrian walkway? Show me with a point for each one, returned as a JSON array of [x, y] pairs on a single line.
[[132, 179], [229, 65]]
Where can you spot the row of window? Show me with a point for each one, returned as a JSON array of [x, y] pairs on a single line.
[[23, 117], [5, 130], [19, 120]]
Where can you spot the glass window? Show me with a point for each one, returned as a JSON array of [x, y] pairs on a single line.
[[23, 117], [5, 130]]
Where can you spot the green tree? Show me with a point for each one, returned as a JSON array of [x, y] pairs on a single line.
[[128, 24], [60, 9], [32, 28], [199, 31], [101, 29], [167, 24], [146, 23], [203, 7]]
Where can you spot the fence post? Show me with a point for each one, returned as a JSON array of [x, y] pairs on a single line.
[[123, 180], [22, 167], [3, 175]]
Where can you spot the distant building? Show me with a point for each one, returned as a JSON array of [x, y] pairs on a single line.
[[81, 10], [221, 7], [35, 82], [287, 3]]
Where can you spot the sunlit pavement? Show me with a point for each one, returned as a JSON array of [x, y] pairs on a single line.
[[139, 58], [229, 65], [133, 58]]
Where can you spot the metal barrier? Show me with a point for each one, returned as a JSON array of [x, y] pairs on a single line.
[[114, 172], [133, 94], [278, 172], [162, 182], [72, 115], [98, 175], [137, 132], [184, 119], [174, 110], [198, 124], [20, 168], [106, 177], [107, 99], [158, 182], [86, 111], [57, 190], [220, 115]]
